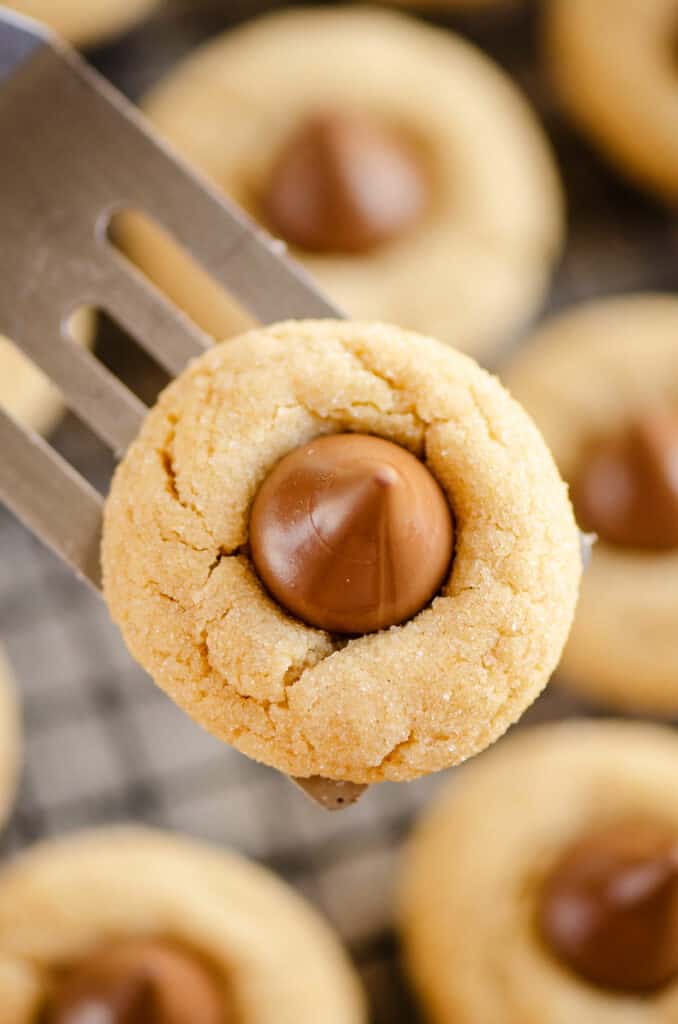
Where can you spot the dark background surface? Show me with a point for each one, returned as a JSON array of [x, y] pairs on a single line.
[[102, 744]]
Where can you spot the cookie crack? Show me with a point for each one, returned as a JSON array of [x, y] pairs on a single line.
[[166, 455], [363, 362], [156, 588], [424, 424], [343, 412], [292, 675], [491, 432], [397, 749], [173, 536]]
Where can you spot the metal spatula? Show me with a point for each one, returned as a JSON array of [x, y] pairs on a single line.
[[73, 152]]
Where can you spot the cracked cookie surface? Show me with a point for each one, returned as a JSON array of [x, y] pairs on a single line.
[[391, 705], [255, 932], [476, 864]]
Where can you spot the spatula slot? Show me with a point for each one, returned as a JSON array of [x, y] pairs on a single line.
[[169, 266]]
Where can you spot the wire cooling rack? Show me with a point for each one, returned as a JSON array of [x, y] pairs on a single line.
[[104, 745]]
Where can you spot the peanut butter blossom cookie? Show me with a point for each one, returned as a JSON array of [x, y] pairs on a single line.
[[613, 63], [343, 549], [400, 164], [126, 926], [602, 383], [543, 884], [85, 22]]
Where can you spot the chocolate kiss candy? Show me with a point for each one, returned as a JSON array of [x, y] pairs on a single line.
[[627, 488], [345, 183], [351, 534], [128, 1001], [138, 982], [610, 908]]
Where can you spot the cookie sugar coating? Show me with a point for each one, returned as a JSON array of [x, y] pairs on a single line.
[[474, 874], [66, 900], [392, 705], [477, 261], [588, 374]]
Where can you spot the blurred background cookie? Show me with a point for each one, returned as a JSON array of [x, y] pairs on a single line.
[[613, 63], [402, 166], [602, 383], [10, 739], [85, 22], [543, 884], [127, 924]]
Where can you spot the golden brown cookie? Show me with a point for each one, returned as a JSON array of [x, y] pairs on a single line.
[[394, 704], [431, 159], [71, 908], [10, 739], [85, 22], [582, 813], [613, 63], [587, 377]]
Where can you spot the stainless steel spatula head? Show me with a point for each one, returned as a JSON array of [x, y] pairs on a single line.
[[74, 153]]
